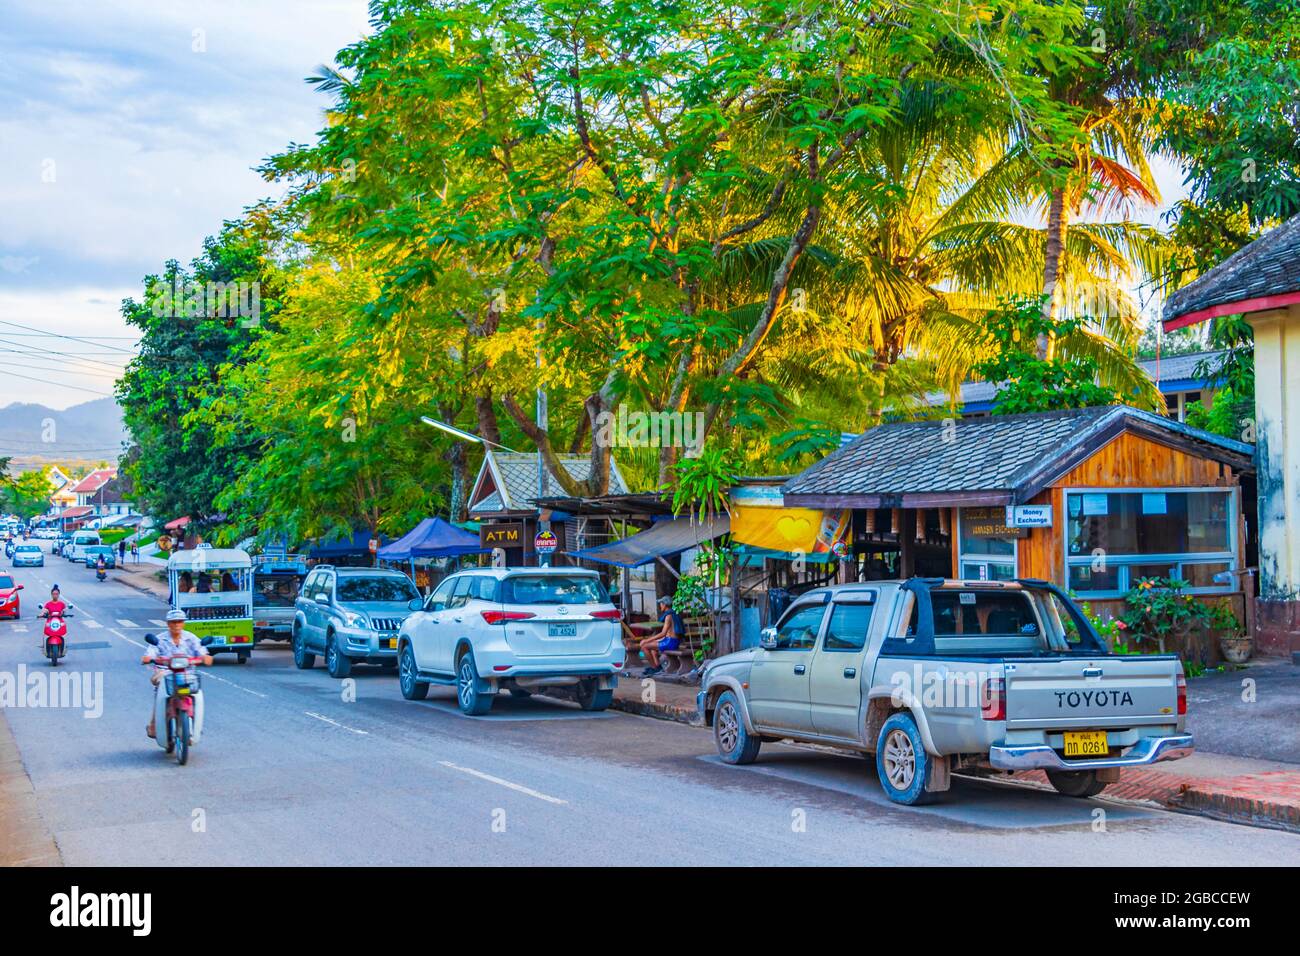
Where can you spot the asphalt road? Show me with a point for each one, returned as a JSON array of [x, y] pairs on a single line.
[[292, 771]]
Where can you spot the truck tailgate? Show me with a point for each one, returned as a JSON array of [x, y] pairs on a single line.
[[1097, 692]]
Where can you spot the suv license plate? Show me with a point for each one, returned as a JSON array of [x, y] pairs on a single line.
[[1091, 743], [562, 630], [389, 642]]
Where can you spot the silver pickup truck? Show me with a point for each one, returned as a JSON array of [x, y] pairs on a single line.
[[935, 676]]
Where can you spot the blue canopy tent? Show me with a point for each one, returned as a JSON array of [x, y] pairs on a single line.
[[431, 538]]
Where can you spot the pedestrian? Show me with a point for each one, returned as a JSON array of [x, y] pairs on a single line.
[[121, 551], [135, 551]]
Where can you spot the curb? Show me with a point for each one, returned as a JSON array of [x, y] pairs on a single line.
[[1245, 800], [682, 715], [138, 587], [24, 838]]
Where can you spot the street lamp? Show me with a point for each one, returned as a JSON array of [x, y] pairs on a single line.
[[467, 436]]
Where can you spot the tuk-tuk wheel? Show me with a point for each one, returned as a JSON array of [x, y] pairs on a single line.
[[242, 657]]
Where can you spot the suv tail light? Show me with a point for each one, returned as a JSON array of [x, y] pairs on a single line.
[[500, 617], [614, 615], [993, 699], [1182, 694]]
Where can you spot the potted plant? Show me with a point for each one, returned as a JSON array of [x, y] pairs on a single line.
[[1235, 644], [1160, 611]]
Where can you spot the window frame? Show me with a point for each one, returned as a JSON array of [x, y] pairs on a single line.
[[798, 607], [963, 558], [848, 600], [1124, 563]]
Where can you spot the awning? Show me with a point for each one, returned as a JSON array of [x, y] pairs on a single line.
[[80, 511], [659, 540], [177, 523], [432, 538], [357, 545]]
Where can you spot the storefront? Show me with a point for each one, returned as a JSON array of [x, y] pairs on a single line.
[[1092, 499]]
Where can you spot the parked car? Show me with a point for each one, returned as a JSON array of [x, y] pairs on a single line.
[[61, 541], [516, 629], [92, 553], [28, 556], [351, 615], [81, 540], [9, 603], [935, 676]]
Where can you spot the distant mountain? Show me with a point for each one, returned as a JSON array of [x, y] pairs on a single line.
[[90, 431]]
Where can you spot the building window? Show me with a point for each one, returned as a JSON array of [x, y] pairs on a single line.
[[985, 557], [1114, 539]]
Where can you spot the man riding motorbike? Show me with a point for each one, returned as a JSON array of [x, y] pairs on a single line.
[[178, 642]]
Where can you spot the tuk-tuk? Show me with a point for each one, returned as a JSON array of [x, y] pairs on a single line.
[[214, 587], [276, 580]]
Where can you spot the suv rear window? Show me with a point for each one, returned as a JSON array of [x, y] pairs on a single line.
[[553, 589], [385, 587]]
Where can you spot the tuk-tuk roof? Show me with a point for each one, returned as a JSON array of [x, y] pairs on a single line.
[[214, 559]]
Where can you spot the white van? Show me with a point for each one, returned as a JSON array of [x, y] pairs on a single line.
[[80, 541]]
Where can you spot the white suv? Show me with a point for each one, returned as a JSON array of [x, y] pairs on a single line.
[[517, 629]]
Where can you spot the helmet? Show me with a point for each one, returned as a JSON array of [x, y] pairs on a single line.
[[176, 615]]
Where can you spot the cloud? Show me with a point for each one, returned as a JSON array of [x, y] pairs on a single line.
[[129, 134]]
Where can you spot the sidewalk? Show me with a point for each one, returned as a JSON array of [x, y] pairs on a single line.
[[1241, 786], [24, 840], [143, 577]]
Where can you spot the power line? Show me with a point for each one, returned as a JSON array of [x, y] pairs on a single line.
[[107, 365], [60, 385], [70, 338], [45, 335]]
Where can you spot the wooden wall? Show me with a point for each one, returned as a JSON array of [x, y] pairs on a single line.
[[1128, 461]]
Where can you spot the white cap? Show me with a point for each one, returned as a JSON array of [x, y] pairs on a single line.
[[175, 615]]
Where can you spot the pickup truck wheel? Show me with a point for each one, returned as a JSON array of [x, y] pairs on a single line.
[[1075, 783], [901, 761], [736, 745], [473, 702], [408, 676], [336, 662], [589, 698], [302, 659]]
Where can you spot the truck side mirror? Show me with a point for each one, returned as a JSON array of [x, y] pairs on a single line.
[[323, 599], [415, 604], [768, 640]]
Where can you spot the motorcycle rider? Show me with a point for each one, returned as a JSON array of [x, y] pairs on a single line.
[[54, 605], [178, 642], [101, 567]]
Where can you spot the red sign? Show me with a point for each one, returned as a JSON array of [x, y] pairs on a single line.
[[545, 542]]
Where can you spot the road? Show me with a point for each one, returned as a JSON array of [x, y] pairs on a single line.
[[292, 771]]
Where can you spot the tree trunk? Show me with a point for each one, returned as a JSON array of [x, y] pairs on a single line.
[[455, 455], [1056, 222], [488, 428]]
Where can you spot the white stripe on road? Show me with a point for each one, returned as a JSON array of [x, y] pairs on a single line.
[[91, 625], [125, 623], [157, 623], [223, 680], [336, 723], [20, 628], [113, 630], [518, 788]]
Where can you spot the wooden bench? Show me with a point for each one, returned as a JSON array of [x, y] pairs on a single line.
[[681, 662]]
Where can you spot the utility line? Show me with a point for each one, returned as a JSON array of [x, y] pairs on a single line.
[[44, 381], [70, 338]]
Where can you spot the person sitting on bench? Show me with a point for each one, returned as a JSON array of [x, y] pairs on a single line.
[[667, 638]]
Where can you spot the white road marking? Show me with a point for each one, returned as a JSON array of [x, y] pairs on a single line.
[[20, 628], [125, 623], [518, 788], [223, 680], [113, 630], [157, 623], [354, 730], [91, 625]]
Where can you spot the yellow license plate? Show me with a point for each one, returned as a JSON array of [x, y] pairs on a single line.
[[1087, 743], [391, 643]]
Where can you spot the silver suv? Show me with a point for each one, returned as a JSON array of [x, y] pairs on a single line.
[[351, 615]]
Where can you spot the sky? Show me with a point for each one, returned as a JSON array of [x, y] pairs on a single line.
[[129, 130]]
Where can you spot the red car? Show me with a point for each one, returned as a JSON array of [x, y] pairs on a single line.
[[9, 597]]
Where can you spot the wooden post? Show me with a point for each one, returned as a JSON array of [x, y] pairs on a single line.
[[906, 547]]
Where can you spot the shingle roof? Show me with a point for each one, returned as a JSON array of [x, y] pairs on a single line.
[[92, 482], [1002, 459], [1269, 266], [518, 472]]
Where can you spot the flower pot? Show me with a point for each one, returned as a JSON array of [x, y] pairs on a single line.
[[1236, 650]]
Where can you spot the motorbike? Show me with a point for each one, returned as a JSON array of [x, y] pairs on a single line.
[[100, 572], [55, 645], [178, 709]]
